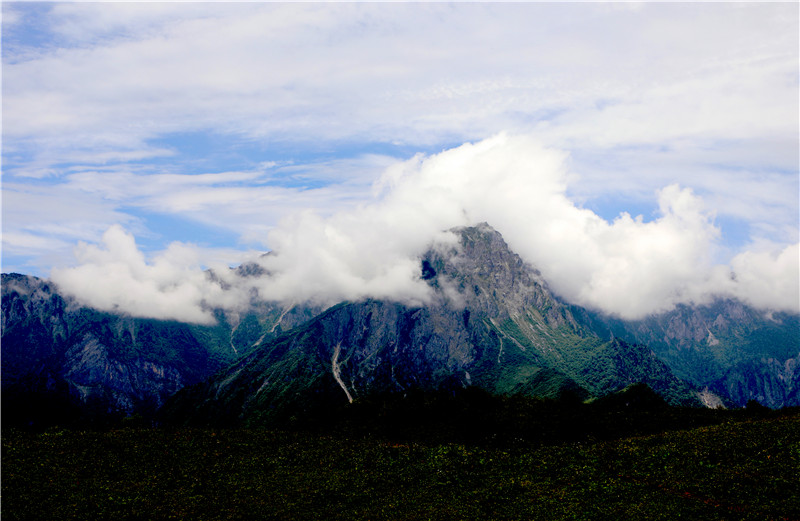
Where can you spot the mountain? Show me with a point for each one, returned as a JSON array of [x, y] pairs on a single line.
[[61, 359], [492, 323], [733, 350]]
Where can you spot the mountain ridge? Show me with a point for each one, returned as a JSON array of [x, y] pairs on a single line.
[[492, 322]]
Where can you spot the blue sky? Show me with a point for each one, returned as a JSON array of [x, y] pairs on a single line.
[[216, 125]]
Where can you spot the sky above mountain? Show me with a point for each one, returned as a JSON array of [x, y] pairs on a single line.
[[640, 155]]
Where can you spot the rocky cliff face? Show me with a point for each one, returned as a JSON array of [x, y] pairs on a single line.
[[769, 381]]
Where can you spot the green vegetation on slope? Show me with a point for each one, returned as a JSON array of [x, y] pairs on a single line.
[[743, 468]]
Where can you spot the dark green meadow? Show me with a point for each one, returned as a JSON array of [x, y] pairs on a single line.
[[745, 467]]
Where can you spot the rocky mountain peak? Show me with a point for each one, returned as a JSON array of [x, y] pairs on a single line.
[[481, 273]]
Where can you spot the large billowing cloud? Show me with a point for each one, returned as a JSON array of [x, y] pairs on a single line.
[[630, 267], [765, 279], [117, 277]]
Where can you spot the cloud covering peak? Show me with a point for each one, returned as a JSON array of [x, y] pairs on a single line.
[[629, 267]]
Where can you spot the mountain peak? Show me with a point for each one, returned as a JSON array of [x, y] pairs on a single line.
[[480, 271]]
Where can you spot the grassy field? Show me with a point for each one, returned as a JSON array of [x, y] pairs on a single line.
[[744, 469]]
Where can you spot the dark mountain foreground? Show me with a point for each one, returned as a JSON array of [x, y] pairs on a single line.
[[729, 465]]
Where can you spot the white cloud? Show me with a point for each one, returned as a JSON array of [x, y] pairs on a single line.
[[419, 73], [628, 267], [764, 279], [116, 277]]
